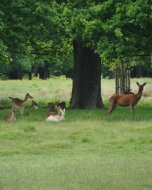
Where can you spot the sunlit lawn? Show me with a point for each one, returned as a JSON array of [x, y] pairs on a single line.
[[85, 151]]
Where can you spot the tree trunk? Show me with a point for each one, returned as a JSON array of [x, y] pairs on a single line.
[[86, 91], [43, 72], [16, 74], [30, 75]]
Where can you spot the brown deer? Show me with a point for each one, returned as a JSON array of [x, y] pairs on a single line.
[[52, 106], [12, 116], [128, 91], [53, 116], [62, 105], [34, 105], [18, 103], [126, 99]]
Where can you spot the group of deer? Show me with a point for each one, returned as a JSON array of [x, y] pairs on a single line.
[[57, 115], [129, 99], [57, 111]]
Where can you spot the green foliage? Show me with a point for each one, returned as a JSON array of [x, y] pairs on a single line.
[[32, 33], [115, 30], [40, 31]]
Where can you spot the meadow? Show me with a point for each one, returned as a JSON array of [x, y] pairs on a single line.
[[85, 151]]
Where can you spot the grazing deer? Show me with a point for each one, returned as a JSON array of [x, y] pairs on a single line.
[[34, 105], [126, 99], [12, 116], [18, 103], [52, 116]]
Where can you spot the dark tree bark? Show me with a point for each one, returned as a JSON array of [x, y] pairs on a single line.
[[43, 72], [30, 75], [16, 74], [86, 92]]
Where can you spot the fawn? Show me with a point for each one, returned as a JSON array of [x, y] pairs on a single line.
[[52, 116], [18, 103], [52, 106], [128, 91], [12, 116], [62, 105], [34, 105], [126, 99]]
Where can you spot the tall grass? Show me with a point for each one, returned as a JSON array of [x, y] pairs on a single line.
[[85, 151]]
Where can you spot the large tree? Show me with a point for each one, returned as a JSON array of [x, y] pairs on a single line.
[[86, 91], [41, 32], [32, 36], [112, 30]]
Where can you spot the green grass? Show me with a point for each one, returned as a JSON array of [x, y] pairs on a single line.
[[85, 151]]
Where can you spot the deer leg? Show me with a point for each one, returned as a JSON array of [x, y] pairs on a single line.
[[112, 107], [13, 107], [21, 111], [132, 111]]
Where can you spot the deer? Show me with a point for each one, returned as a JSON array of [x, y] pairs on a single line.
[[52, 116], [34, 105], [62, 105], [126, 99], [128, 91], [18, 103], [12, 116], [53, 105]]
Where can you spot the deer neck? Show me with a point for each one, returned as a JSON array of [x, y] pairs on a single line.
[[139, 94], [25, 100]]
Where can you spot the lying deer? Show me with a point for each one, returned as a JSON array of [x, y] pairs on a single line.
[[52, 105], [18, 103], [62, 105], [52, 116], [12, 116], [34, 105], [126, 99], [128, 91]]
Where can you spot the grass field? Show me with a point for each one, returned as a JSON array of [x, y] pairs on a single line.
[[85, 151]]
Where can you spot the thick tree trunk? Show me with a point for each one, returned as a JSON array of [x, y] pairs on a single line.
[[16, 74], [30, 75], [86, 92], [44, 72]]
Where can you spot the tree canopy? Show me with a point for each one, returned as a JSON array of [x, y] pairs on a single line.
[[35, 32]]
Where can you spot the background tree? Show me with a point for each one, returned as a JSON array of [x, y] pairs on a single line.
[[112, 29], [31, 37], [38, 36]]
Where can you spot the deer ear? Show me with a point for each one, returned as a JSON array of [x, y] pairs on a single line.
[[137, 83], [144, 84]]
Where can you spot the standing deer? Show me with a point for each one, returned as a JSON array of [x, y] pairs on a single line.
[[18, 103], [126, 99], [12, 116]]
